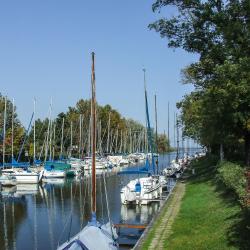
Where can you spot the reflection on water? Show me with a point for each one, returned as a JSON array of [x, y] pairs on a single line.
[[39, 216]]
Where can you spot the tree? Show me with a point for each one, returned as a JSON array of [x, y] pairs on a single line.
[[163, 144], [218, 111]]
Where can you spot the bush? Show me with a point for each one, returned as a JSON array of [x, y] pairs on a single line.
[[233, 177]]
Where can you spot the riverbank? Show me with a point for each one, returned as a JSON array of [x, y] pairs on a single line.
[[209, 216]]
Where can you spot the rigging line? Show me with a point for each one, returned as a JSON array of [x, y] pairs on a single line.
[[84, 201], [100, 185], [69, 219], [107, 204], [42, 147], [25, 138]]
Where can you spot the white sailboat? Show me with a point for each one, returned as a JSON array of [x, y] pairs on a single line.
[[143, 190], [93, 236]]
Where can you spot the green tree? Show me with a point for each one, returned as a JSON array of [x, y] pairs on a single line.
[[218, 111]]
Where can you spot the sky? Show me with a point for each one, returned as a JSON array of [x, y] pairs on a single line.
[[45, 52]]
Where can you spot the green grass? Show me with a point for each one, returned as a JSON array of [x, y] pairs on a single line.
[[156, 224], [210, 217]]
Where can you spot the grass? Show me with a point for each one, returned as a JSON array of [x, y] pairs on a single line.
[[152, 231], [210, 217]]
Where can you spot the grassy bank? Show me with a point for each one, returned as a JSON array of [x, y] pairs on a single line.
[[209, 218]]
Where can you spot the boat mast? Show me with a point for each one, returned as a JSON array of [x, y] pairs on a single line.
[[4, 128], [71, 139], [174, 131], [80, 139], [177, 135], [149, 135], [12, 134], [107, 149], [34, 135], [168, 126], [54, 139], [93, 118], [156, 136], [48, 133], [50, 130], [62, 139], [168, 138]]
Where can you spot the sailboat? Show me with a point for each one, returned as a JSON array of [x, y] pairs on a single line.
[[93, 236], [19, 170], [143, 190]]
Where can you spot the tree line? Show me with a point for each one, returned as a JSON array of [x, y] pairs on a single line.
[[68, 134]]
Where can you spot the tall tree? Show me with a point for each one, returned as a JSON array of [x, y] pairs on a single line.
[[218, 111]]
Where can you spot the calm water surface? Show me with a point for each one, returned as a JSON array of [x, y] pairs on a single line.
[[41, 216]]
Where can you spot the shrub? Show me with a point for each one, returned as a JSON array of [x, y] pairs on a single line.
[[233, 177]]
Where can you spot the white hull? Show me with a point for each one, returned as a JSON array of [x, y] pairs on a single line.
[[151, 189], [53, 174], [22, 176], [27, 178], [8, 181]]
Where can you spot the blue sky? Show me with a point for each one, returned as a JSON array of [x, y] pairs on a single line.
[[45, 51]]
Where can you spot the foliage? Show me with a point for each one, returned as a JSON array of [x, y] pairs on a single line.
[[163, 144], [233, 177], [218, 110]]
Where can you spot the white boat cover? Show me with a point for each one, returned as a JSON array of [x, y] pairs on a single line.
[[92, 238]]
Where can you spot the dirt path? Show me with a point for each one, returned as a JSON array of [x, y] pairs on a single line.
[[162, 229]]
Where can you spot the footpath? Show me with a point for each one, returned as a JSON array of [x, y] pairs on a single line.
[[160, 228]]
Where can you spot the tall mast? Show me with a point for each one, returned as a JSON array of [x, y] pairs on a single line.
[[107, 149], [168, 125], [62, 139], [4, 129], [71, 138], [54, 138], [149, 132], [89, 136], [156, 135], [177, 135], [12, 134], [80, 139], [48, 132], [93, 118], [174, 129], [34, 135]]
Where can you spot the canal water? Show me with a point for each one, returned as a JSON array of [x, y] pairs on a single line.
[[43, 216]]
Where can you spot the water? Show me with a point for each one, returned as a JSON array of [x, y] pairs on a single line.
[[40, 216]]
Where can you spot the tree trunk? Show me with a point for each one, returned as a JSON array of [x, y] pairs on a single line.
[[247, 149]]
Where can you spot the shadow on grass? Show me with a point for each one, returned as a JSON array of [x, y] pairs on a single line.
[[238, 234]]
